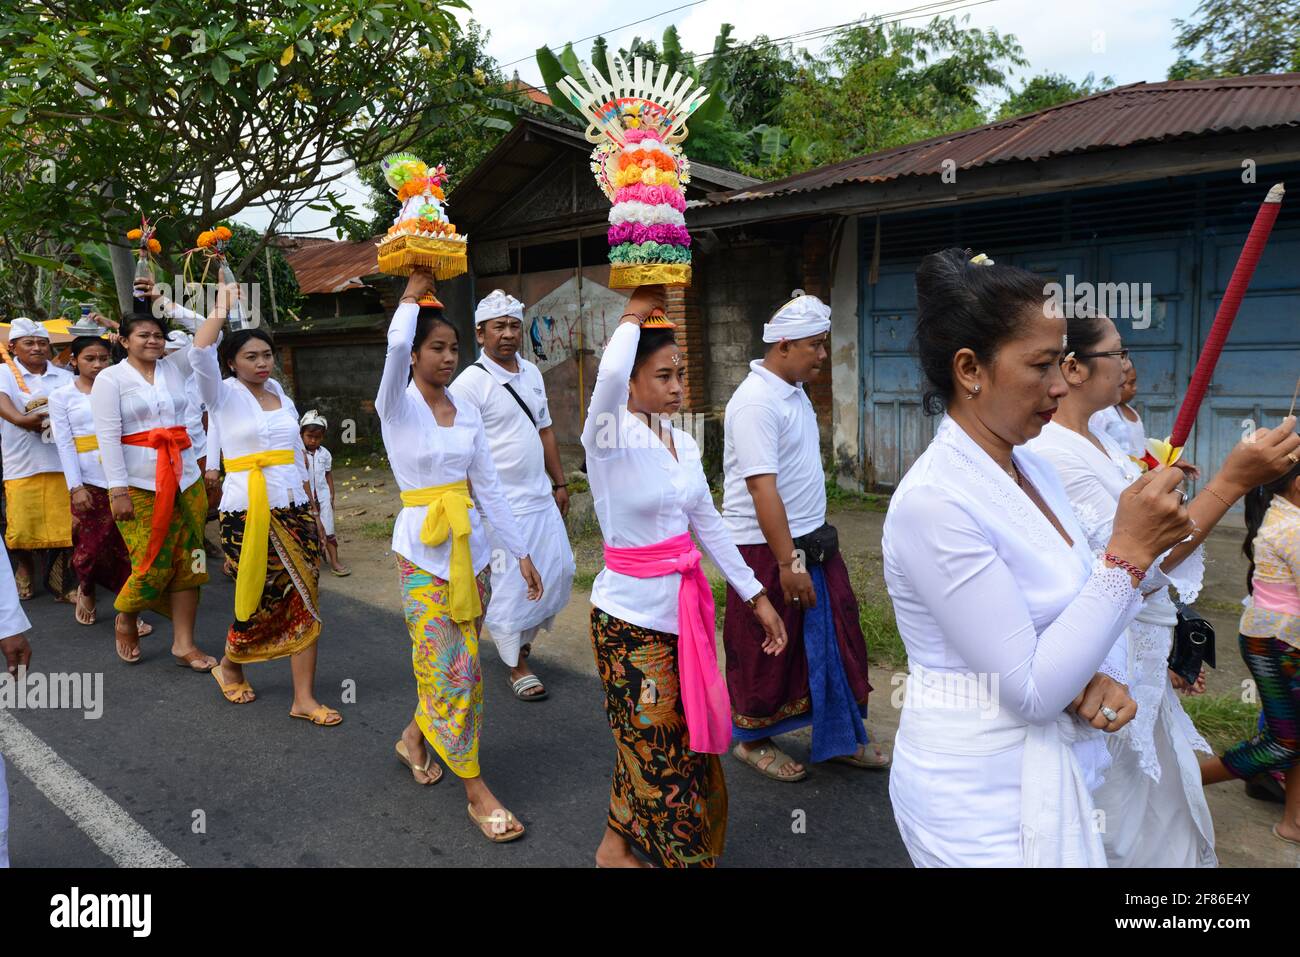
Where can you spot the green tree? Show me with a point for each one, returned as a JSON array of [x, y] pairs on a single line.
[[1050, 89], [1237, 38], [194, 111], [883, 85]]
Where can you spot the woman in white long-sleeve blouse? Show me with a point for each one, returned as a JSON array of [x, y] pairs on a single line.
[[1005, 614], [443, 559], [155, 493], [1152, 799], [652, 616], [267, 530]]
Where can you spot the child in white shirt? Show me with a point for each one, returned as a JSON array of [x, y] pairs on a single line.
[[319, 466]]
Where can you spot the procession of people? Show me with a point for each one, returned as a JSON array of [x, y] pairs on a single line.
[[1031, 544]]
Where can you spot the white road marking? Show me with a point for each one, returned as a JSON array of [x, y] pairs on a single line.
[[101, 818]]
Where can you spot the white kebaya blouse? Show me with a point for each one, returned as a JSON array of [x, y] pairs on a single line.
[[124, 403], [71, 416], [247, 428]]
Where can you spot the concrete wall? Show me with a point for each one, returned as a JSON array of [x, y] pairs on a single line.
[[741, 284], [340, 382]]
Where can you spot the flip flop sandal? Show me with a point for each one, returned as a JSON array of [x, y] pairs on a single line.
[[143, 628], [77, 613], [233, 690], [492, 822], [188, 659], [1284, 840], [779, 760], [430, 766], [118, 642], [24, 585], [526, 682], [341, 573], [873, 760], [320, 716]]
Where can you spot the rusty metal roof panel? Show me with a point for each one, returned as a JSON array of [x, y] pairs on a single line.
[[332, 267], [1124, 116]]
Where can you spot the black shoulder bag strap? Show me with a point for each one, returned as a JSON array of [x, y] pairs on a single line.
[[513, 394]]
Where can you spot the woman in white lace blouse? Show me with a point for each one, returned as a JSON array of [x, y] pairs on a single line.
[[1152, 799], [1005, 612]]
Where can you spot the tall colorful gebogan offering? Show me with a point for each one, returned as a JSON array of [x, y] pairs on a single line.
[[638, 121]]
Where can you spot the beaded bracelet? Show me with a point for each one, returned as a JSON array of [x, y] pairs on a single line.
[[1210, 489], [1129, 567]]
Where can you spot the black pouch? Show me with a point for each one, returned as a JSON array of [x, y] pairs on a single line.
[[818, 546], [1193, 644]]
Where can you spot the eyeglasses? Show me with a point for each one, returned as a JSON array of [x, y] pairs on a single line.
[[1122, 353], [147, 337]]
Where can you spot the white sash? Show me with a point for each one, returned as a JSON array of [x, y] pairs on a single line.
[[952, 713]]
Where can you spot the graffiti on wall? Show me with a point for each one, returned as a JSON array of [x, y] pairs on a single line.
[[563, 321]]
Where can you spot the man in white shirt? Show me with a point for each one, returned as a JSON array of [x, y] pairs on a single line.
[[37, 507], [16, 653], [509, 394], [774, 504]]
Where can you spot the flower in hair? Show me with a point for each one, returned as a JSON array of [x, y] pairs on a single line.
[[981, 259]]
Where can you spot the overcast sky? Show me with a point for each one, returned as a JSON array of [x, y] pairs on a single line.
[[1132, 42]]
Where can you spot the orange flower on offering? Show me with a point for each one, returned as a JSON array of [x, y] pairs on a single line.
[[134, 234], [222, 233], [206, 238], [155, 246]]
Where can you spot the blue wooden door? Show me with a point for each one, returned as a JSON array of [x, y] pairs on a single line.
[[1257, 371], [1161, 340]]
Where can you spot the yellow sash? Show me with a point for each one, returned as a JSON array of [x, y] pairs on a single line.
[[448, 514], [86, 443], [251, 578]]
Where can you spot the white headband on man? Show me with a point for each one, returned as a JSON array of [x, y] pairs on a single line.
[[23, 327], [496, 305], [312, 418], [801, 317]]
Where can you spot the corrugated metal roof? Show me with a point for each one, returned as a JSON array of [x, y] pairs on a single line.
[[1124, 116], [331, 267]]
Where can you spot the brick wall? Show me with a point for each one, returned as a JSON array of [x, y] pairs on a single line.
[[683, 309]]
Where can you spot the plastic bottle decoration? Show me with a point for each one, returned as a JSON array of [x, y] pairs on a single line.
[[638, 119], [214, 243], [421, 234], [147, 248]]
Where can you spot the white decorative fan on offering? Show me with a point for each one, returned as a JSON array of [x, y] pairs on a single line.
[[637, 118]]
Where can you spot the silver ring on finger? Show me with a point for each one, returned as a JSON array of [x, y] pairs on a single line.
[[1110, 714], [1182, 497]]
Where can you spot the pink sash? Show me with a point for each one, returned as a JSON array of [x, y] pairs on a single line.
[[1276, 596], [704, 694]]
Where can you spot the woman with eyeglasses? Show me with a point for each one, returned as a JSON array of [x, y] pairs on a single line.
[[1154, 808], [155, 490]]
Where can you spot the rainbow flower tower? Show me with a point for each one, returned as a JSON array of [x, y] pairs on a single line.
[[421, 234], [637, 121]]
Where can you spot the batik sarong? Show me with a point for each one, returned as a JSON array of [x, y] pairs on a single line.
[[666, 799], [1275, 666], [99, 555], [287, 618], [181, 563], [444, 656]]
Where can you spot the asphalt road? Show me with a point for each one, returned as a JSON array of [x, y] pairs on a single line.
[[279, 792]]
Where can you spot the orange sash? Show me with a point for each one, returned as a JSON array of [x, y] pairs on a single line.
[[166, 481]]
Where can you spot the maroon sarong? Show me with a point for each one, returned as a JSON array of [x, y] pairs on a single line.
[[769, 693], [99, 555]]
